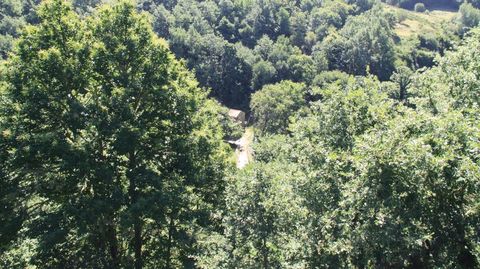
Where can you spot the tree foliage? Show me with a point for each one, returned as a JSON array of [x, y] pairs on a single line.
[[365, 154], [377, 181], [364, 45], [274, 104], [111, 140]]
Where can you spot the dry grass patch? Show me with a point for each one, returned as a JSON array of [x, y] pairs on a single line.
[[418, 23]]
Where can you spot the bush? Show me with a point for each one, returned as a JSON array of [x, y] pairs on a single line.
[[392, 2], [469, 16], [402, 16], [420, 7]]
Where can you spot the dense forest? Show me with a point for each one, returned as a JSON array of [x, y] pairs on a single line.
[[117, 149]]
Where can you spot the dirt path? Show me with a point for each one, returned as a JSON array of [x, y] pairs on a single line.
[[244, 150]]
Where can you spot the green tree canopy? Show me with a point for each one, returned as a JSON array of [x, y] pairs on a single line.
[[364, 45], [274, 104], [117, 148]]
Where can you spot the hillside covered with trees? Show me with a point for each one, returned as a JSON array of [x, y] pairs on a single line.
[[115, 132]]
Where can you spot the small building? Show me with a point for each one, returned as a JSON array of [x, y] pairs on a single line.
[[237, 116]]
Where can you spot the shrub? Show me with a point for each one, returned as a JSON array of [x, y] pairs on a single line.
[[420, 7], [402, 16], [469, 16], [392, 2]]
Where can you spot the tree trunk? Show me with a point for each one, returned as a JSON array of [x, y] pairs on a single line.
[[169, 247], [403, 93], [113, 245], [137, 226], [138, 245], [265, 253]]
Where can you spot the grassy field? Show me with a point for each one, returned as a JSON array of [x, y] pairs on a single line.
[[416, 23]]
